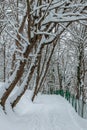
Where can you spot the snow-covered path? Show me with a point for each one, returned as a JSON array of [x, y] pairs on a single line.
[[48, 112]]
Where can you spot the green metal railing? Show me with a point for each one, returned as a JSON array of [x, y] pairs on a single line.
[[79, 106]]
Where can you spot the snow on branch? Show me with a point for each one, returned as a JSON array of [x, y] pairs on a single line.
[[62, 25], [45, 33]]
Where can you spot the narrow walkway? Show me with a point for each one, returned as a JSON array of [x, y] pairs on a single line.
[[51, 112]]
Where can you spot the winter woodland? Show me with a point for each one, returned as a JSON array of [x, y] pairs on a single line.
[[43, 49]]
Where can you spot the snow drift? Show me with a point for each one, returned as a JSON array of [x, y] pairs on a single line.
[[48, 112]]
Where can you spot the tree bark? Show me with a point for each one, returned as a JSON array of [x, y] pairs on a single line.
[[39, 85], [19, 74], [28, 78]]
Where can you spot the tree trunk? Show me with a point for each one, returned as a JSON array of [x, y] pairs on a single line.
[[19, 74], [39, 86], [29, 76]]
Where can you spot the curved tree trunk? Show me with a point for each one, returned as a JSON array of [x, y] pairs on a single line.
[[19, 73], [29, 75]]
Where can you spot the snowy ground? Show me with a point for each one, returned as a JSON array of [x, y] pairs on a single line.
[[48, 112]]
